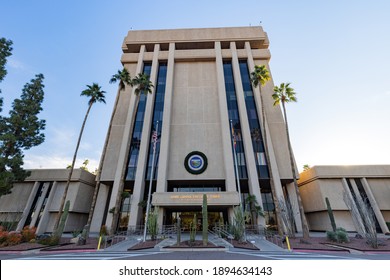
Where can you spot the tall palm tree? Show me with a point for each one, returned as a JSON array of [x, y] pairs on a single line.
[[124, 78], [259, 77], [143, 85], [285, 94], [95, 94]]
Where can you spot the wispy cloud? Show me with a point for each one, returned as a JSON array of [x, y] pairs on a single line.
[[34, 161], [16, 64]]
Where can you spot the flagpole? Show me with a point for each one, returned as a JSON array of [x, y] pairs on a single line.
[[237, 174], [150, 185], [236, 165]]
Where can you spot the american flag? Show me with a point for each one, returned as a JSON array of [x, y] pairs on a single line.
[[234, 138], [154, 139]]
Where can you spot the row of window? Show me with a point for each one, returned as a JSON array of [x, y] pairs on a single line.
[[137, 131]]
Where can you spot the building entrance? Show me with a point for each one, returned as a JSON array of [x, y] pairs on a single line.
[[187, 218]]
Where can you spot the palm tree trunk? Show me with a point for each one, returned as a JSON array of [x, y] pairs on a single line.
[[305, 226], [71, 170], [273, 190], [99, 171]]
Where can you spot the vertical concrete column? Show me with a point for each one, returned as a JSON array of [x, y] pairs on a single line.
[[355, 189], [166, 126], [230, 183], [139, 183], [271, 153], [98, 214], [42, 227], [253, 180], [166, 129], [292, 194], [375, 206], [28, 206], [40, 202], [125, 145], [350, 197]]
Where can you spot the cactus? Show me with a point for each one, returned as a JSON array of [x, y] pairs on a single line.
[[193, 230], [152, 223], [178, 226], [205, 222], [58, 232], [330, 213]]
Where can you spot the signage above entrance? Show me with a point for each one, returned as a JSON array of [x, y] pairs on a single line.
[[195, 199], [195, 162]]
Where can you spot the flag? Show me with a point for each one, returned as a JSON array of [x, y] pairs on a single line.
[[154, 139], [234, 138]]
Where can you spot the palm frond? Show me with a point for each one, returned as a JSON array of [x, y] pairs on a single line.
[[260, 75], [284, 93], [95, 94], [124, 78]]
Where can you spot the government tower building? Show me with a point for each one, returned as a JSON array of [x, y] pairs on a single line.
[[207, 116]]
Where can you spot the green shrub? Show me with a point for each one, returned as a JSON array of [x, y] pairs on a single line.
[[388, 225], [339, 236], [342, 236], [49, 240], [331, 235]]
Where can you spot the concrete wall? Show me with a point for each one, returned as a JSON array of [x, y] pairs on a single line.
[[320, 182], [195, 124], [23, 194], [117, 129]]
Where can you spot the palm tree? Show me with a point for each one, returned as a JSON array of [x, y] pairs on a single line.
[[285, 94], [254, 208], [143, 85], [95, 94], [124, 78], [259, 77]]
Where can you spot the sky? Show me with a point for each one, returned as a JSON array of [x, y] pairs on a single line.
[[335, 54]]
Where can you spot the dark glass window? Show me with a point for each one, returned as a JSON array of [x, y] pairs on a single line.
[[235, 118], [254, 124], [137, 131], [158, 111]]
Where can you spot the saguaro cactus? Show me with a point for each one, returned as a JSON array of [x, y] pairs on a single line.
[[193, 230], [178, 228], [330, 213], [205, 222]]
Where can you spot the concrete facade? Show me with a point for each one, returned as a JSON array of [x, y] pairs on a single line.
[[195, 116], [370, 182], [35, 202]]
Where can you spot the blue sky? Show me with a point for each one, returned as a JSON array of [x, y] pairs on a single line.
[[335, 54]]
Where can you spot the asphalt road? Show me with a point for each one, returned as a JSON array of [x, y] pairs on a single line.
[[197, 255]]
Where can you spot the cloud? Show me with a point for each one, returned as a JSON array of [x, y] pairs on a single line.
[[34, 161], [15, 64]]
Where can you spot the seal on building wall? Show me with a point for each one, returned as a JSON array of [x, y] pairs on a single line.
[[195, 162]]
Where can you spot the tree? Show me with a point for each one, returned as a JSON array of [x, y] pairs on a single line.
[[254, 208], [282, 95], [20, 131], [124, 78], [259, 77], [95, 94], [143, 85], [5, 51]]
